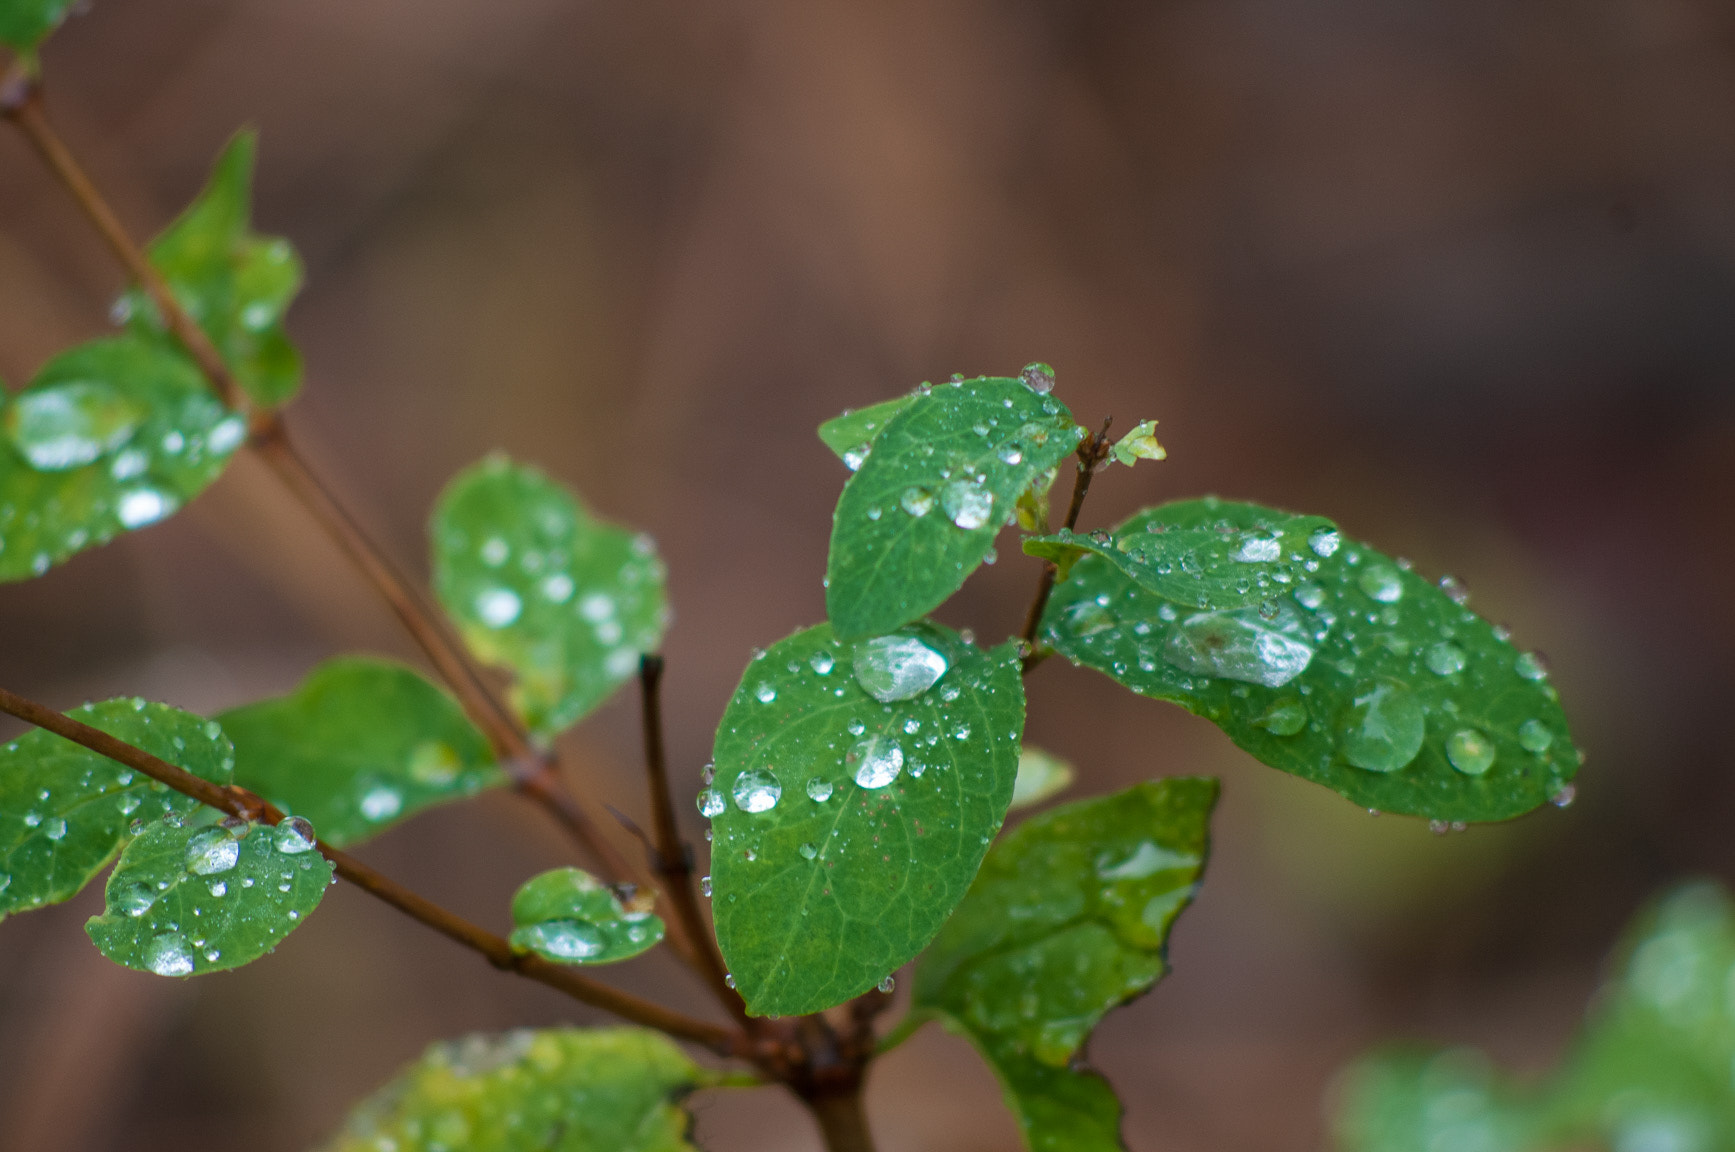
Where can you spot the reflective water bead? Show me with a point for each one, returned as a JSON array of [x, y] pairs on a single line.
[[711, 803], [55, 829], [1535, 736], [886, 985], [70, 425], [918, 502], [1382, 584], [497, 607], [211, 851], [1038, 377], [1529, 665], [1258, 550], [1284, 717], [1470, 751], [293, 836], [822, 662], [819, 790], [381, 803], [765, 693], [1444, 658], [566, 939], [142, 506], [808, 851], [1324, 541], [1310, 595], [855, 457], [705, 886], [1012, 454], [1564, 796], [1240, 645], [219, 889], [878, 761], [167, 955], [897, 667], [1384, 727], [969, 505], [756, 790]]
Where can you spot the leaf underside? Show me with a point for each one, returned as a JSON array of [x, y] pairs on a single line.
[[1069, 918], [1361, 676], [835, 885], [559, 1090], [565, 602], [923, 509], [65, 811], [360, 745]]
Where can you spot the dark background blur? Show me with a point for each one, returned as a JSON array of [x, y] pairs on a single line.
[[1458, 273]]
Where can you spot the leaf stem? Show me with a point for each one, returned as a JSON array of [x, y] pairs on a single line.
[[1092, 451], [672, 858], [842, 1120], [495, 949]]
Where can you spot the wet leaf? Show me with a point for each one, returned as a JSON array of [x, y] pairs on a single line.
[[857, 788], [26, 23], [852, 434], [559, 1090], [1040, 776], [111, 436], [1354, 673], [192, 896], [361, 745], [567, 603], [1069, 918], [65, 811], [1649, 1070], [1139, 444], [569, 916], [235, 283], [923, 509]]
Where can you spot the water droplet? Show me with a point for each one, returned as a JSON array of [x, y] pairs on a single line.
[[917, 502], [218, 888], [566, 939], [878, 761], [293, 836], [135, 899], [1444, 658], [765, 693], [381, 803], [874, 513], [855, 457], [1324, 541], [1259, 550], [1530, 666], [968, 504], [819, 790], [167, 955], [1381, 583], [55, 829], [498, 607], [1535, 736], [756, 790], [711, 803], [212, 851], [897, 667], [961, 732], [1038, 377], [557, 589], [705, 886], [32, 819], [1455, 590], [596, 607], [1564, 796], [1240, 645], [886, 985], [1012, 454], [1470, 751], [1384, 728], [808, 851], [69, 425], [495, 551], [226, 436], [1284, 717], [822, 662], [143, 506], [1310, 596], [729, 979]]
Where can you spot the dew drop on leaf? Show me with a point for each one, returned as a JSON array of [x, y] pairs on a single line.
[[808, 851], [1038, 377], [765, 693], [142, 506], [498, 607], [293, 836], [1384, 727], [1284, 717], [711, 803], [819, 790], [822, 662], [1444, 658], [1241, 645], [1534, 736], [1324, 541], [168, 955], [968, 504], [897, 667], [212, 851], [878, 761], [1529, 665], [1470, 751], [1382, 584], [918, 502], [381, 803], [70, 425], [567, 939], [757, 790]]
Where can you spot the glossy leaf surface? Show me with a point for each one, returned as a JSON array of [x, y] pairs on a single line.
[[65, 811], [851, 435], [569, 916], [847, 827], [192, 896], [1069, 918], [235, 283], [1650, 1070], [566, 602], [359, 746], [560, 1090], [1361, 676], [111, 436], [922, 511], [26, 23]]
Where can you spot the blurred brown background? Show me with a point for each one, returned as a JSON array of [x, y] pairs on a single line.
[[1458, 273]]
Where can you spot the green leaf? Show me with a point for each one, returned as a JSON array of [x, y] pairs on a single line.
[[857, 788], [1069, 918], [235, 283], [192, 896], [1360, 675], [1650, 1070], [559, 1090], [359, 746], [1040, 775], [569, 916], [1139, 444], [851, 435], [26, 23], [923, 509], [112, 435], [65, 811], [566, 602], [1204, 554]]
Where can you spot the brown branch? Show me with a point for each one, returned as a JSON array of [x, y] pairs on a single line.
[[1092, 451], [495, 949], [672, 858]]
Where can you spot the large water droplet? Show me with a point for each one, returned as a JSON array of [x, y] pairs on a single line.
[[1241, 645], [1259, 550], [917, 502], [135, 899], [168, 955], [756, 790], [293, 836], [1470, 751], [855, 457], [1324, 541], [1038, 377], [878, 761], [566, 939], [498, 607], [1382, 583], [1535, 736], [819, 790], [1284, 717], [1384, 728], [1444, 658], [711, 803], [822, 662], [69, 425], [212, 851], [765, 693], [967, 503], [897, 667]]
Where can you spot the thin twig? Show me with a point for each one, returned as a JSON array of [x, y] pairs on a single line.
[[1092, 451], [496, 950], [671, 857]]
